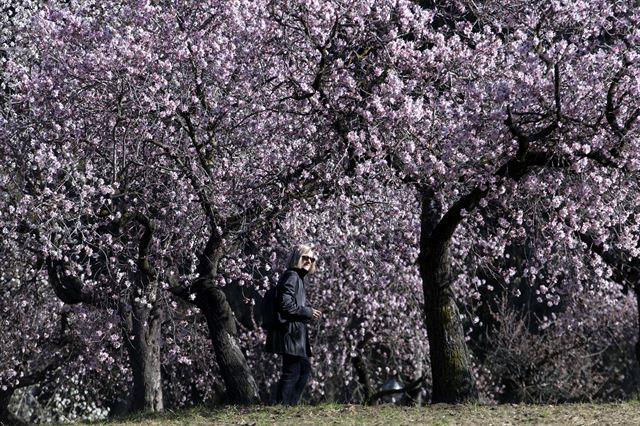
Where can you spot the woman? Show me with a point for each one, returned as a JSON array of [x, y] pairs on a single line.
[[292, 338]]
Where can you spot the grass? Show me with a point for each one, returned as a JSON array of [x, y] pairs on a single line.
[[627, 413]]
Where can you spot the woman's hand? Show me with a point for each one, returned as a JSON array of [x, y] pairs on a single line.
[[316, 314]]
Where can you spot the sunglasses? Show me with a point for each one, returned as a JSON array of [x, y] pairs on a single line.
[[309, 258]]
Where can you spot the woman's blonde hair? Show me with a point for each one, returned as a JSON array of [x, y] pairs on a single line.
[[295, 257]]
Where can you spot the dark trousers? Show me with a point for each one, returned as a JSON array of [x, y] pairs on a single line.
[[295, 373]]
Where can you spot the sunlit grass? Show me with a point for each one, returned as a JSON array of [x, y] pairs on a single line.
[[388, 415]]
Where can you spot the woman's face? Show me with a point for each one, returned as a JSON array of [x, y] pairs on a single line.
[[308, 260]]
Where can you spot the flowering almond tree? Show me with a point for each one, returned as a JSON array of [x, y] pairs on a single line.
[[552, 102], [464, 110], [150, 138], [151, 141]]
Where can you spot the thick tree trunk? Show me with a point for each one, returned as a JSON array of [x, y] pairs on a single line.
[[140, 320], [239, 382], [240, 385], [144, 355], [145, 323], [450, 356]]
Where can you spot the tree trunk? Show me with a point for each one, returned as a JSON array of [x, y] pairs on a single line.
[[146, 326], [450, 356], [240, 385], [144, 355]]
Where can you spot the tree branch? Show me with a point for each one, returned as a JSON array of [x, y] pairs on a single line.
[[67, 287]]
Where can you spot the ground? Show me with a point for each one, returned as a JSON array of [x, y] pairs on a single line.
[[627, 413]]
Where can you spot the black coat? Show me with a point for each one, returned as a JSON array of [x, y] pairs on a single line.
[[292, 337]]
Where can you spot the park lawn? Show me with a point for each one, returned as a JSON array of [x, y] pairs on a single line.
[[627, 413]]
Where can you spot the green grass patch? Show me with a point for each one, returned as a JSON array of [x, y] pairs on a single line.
[[390, 415]]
